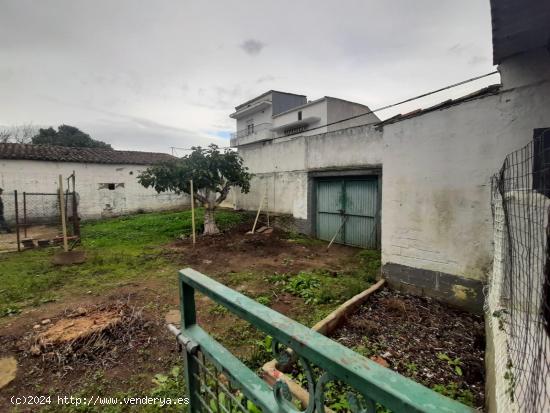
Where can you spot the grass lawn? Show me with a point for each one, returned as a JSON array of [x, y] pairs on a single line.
[[118, 250], [139, 255]]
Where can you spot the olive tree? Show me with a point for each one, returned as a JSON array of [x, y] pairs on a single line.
[[213, 173]]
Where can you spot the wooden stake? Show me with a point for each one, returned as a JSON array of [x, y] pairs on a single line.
[[337, 232], [62, 207], [257, 215], [192, 211]]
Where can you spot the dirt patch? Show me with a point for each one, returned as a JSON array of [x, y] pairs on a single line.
[[130, 357], [423, 339], [128, 342], [235, 251]]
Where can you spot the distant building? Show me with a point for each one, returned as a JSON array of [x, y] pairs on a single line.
[[278, 114], [106, 180]]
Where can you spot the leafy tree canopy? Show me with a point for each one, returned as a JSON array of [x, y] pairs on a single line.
[[67, 136], [213, 173]]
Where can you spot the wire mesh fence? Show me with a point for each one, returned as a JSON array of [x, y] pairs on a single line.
[[215, 392], [519, 297], [35, 219]]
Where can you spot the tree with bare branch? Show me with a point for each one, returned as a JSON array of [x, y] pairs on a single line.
[[18, 133]]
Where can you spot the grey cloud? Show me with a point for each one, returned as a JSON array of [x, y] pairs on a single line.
[[252, 47], [266, 78], [475, 60], [140, 76]]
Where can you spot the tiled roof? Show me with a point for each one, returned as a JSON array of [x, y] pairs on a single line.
[[489, 90], [82, 155]]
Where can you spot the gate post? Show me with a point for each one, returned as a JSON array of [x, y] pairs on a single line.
[[76, 221], [17, 220], [189, 318]]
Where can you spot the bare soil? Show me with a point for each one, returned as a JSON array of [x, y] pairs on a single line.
[[235, 251], [417, 336], [129, 351]]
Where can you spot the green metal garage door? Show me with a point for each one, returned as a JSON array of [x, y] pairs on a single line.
[[350, 205]]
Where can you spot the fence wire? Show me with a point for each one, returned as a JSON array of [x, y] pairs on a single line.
[[521, 206], [35, 219]]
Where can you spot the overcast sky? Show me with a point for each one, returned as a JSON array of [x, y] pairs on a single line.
[[148, 75]]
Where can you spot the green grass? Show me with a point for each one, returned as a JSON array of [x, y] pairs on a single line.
[[118, 250]]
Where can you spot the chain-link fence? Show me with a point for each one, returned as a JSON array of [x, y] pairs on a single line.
[[35, 219], [518, 303]]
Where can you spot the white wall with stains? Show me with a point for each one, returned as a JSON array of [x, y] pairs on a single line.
[[437, 166], [96, 199]]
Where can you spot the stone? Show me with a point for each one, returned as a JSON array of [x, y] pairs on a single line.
[[173, 317], [46, 321]]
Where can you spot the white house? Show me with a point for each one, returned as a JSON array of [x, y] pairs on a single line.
[[276, 114], [106, 180]]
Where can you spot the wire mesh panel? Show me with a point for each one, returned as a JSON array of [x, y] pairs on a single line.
[[521, 283], [35, 219]]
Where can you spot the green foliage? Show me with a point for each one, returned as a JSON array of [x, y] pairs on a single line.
[[322, 287], [165, 386], [411, 368], [67, 136], [302, 239], [510, 380], [218, 309], [264, 300], [454, 391], [212, 171], [370, 262], [118, 249], [304, 285], [169, 386], [453, 363]]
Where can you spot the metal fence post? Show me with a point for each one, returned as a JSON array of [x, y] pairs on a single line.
[[76, 222], [17, 220], [25, 213], [189, 318]]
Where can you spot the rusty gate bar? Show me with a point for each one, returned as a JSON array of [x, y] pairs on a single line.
[[372, 382]]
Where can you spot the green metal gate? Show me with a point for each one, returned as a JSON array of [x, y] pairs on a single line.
[[348, 207], [218, 382]]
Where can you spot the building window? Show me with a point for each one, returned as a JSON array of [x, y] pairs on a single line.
[[250, 128], [299, 115], [111, 186]]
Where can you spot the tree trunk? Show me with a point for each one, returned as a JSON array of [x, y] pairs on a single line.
[[209, 222]]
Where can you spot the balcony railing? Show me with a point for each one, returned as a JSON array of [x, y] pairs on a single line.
[[256, 132], [219, 382]]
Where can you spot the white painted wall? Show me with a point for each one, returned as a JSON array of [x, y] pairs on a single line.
[[314, 109], [436, 184], [436, 211], [283, 165], [42, 176]]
